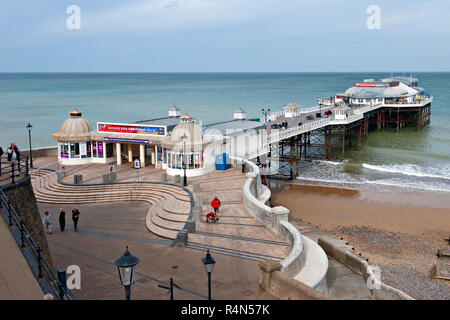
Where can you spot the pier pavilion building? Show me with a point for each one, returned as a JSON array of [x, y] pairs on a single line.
[[166, 143]]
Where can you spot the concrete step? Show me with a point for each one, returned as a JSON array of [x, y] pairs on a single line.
[[172, 216], [156, 229], [54, 193], [125, 188], [166, 224], [315, 269], [176, 206]]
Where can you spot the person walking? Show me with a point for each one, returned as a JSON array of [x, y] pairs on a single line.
[[62, 219], [47, 222], [1, 154], [75, 217], [14, 158], [215, 203]]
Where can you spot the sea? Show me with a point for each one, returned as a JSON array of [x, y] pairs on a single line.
[[409, 159]]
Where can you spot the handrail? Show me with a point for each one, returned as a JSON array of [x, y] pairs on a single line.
[[26, 241], [8, 169]]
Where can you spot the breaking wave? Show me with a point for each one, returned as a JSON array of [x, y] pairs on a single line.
[[410, 170]]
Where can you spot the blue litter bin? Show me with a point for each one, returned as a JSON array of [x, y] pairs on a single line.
[[222, 162]]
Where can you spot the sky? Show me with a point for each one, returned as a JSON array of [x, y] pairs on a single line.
[[224, 36]]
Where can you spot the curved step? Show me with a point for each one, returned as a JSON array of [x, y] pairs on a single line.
[[172, 216], [167, 224], [110, 192], [176, 206], [159, 231], [315, 269], [142, 187]]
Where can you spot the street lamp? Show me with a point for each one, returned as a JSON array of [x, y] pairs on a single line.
[[184, 137], [126, 265], [29, 126], [209, 263]]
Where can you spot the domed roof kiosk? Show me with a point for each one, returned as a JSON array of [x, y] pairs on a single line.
[[185, 146], [74, 141]]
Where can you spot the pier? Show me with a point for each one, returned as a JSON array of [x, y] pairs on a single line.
[[318, 132]]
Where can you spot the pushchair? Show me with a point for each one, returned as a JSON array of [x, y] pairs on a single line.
[[211, 217]]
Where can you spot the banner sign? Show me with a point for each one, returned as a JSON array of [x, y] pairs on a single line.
[[129, 128], [371, 85], [126, 140]]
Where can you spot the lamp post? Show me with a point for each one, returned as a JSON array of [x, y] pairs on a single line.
[[209, 263], [184, 137], [126, 266], [29, 126]]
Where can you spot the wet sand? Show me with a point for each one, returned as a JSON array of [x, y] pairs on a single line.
[[398, 231]]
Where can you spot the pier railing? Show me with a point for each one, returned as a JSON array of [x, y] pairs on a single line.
[[367, 108], [419, 102]]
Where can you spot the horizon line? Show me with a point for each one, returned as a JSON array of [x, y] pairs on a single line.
[[230, 72]]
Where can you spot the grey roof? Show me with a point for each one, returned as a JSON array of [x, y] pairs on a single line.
[[239, 110], [365, 93], [174, 108], [166, 121], [233, 126], [406, 80]]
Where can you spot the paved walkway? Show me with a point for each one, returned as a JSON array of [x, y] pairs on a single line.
[[105, 230], [17, 282], [237, 242], [236, 230]]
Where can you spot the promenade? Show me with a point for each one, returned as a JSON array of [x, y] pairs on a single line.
[[237, 242], [17, 282]]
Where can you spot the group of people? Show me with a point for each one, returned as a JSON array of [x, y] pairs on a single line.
[[214, 215], [283, 125], [47, 221], [13, 158]]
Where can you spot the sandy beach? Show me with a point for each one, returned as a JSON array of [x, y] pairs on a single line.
[[398, 231]]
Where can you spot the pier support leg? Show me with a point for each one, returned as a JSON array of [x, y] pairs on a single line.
[[420, 118], [350, 138], [359, 139], [329, 144], [291, 160], [343, 144], [378, 120], [304, 146]]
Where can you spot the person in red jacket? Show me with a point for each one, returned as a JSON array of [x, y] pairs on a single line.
[[215, 203]]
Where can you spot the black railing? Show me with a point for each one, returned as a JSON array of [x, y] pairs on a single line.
[[10, 171], [31, 249]]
